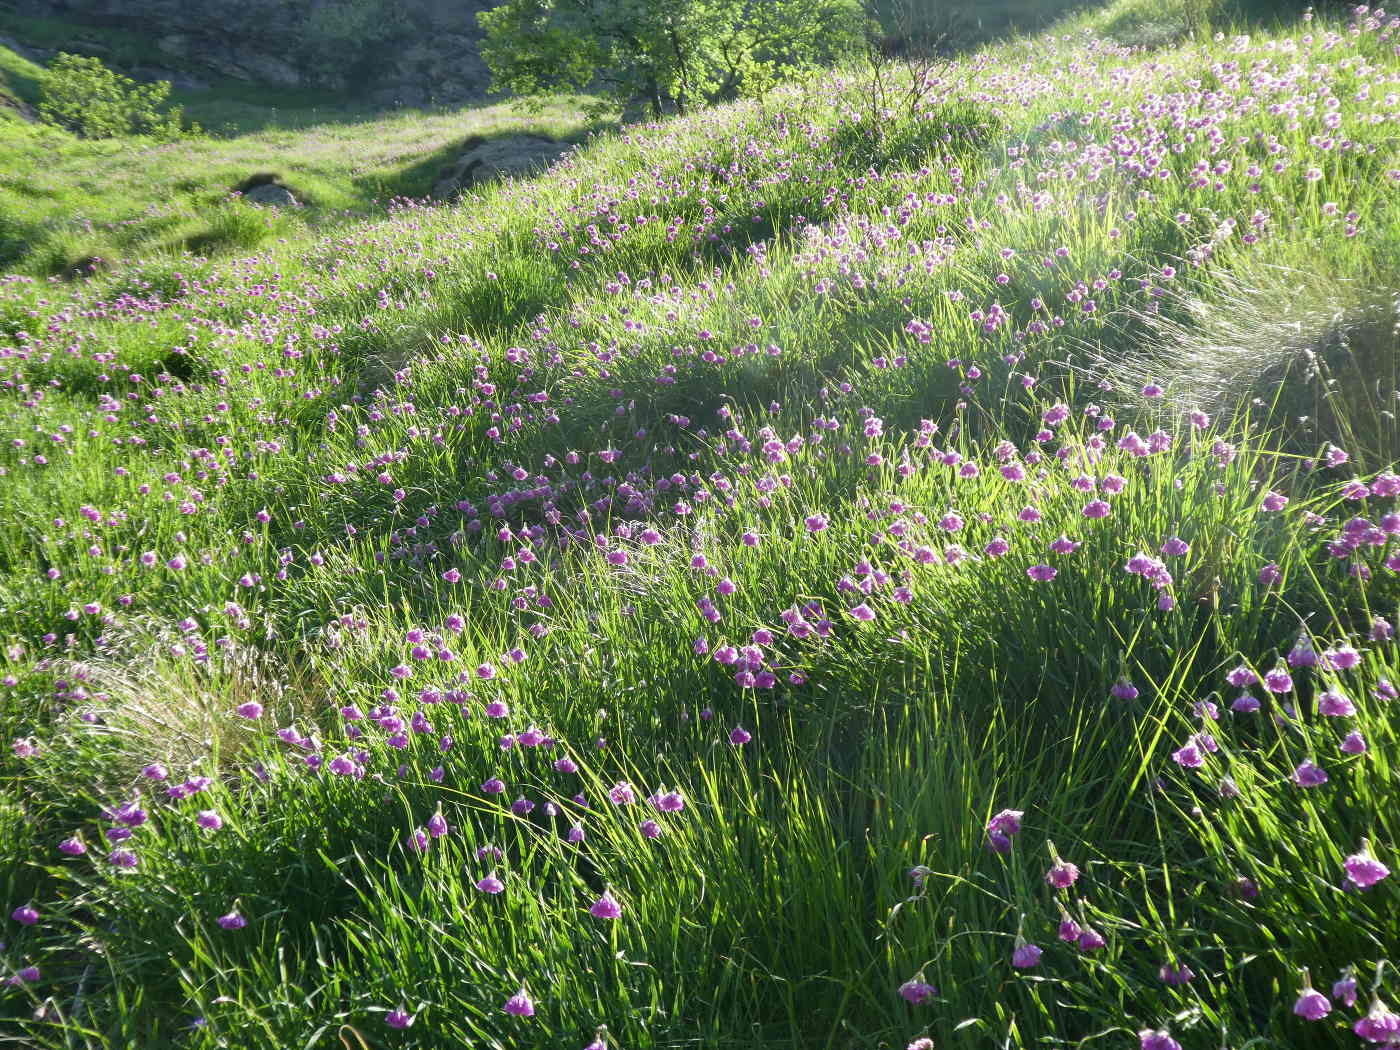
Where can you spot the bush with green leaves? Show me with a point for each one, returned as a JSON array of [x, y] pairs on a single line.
[[667, 53], [81, 94]]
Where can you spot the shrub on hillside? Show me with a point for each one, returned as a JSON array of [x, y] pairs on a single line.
[[81, 94], [667, 54]]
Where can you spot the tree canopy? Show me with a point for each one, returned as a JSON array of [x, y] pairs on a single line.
[[667, 53]]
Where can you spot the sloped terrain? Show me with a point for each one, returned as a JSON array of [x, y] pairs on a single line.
[[775, 580]]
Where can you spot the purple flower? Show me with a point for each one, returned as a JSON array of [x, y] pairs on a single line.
[[1364, 870], [1344, 988], [1160, 1039], [1341, 658], [669, 802], [1379, 1025], [1278, 681], [1090, 940], [399, 1018], [209, 820], [1062, 875], [1335, 704], [1026, 956], [1042, 573], [231, 921], [1172, 973], [739, 736], [520, 1004], [490, 884], [122, 858], [605, 907], [1354, 743], [1241, 676], [1189, 756], [1123, 690], [1007, 822], [916, 991], [1312, 1004], [250, 709], [25, 915], [1309, 774]]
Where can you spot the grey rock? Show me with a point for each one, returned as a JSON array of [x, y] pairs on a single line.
[[273, 194], [509, 156]]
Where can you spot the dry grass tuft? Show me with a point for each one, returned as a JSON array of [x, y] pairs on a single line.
[[1313, 358]]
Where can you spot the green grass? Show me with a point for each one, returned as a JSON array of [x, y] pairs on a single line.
[[572, 436], [63, 199]]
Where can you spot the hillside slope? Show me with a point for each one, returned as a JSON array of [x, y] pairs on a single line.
[[65, 200], [805, 575]]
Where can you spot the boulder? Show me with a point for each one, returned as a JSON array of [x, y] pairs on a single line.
[[509, 156], [267, 189]]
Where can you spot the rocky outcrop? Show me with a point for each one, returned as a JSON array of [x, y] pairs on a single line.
[[484, 159], [394, 52]]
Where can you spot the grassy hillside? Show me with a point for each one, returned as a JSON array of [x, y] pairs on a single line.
[[65, 199], [797, 576]]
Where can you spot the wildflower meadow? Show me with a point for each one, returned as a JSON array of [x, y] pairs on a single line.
[[811, 573]]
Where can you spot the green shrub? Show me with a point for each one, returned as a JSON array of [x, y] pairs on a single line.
[[81, 94]]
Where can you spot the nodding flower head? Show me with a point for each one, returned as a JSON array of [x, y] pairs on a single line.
[[1158, 1039], [1002, 828], [1026, 956], [232, 921], [1379, 1025], [1364, 870], [1311, 1004], [520, 1004], [605, 907], [917, 991]]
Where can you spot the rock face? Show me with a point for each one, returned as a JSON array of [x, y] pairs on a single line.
[[484, 159], [396, 52]]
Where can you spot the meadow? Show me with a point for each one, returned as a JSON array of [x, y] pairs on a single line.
[[844, 570]]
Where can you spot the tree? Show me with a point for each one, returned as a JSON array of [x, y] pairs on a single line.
[[666, 53]]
